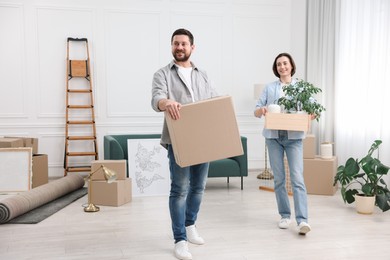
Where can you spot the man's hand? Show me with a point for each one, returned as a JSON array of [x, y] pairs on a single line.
[[172, 107]]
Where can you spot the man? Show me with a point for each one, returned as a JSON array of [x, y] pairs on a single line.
[[178, 83]]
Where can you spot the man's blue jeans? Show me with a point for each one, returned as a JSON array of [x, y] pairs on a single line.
[[187, 188], [294, 152]]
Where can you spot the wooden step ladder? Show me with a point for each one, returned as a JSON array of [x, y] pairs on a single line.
[[80, 114]]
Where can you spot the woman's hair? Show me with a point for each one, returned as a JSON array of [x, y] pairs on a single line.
[[183, 32], [274, 66]]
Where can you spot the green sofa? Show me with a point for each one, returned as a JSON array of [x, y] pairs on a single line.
[[115, 148]]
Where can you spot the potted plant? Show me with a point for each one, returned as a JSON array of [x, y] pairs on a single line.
[[364, 178], [299, 97]]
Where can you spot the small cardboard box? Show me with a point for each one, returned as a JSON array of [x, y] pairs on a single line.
[[110, 194], [319, 175], [309, 147], [206, 131], [118, 166], [28, 142], [282, 121], [40, 170], [11, 142]]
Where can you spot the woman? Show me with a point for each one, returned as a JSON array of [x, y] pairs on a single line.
[[280, 142]]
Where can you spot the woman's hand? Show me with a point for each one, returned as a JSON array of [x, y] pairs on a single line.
[[260, 112]]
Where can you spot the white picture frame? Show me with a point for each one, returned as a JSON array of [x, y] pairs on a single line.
[[148, 167], [15, 169]]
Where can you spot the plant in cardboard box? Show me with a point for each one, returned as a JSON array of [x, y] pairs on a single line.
[[364, 177], [299, 97]]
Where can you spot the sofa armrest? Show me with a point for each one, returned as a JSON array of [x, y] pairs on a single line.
[[112, 149], [115, 146], [242, 160]]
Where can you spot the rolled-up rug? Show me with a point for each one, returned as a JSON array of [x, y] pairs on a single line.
[[19, 204]]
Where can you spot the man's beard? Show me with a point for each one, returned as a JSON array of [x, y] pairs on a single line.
[[183, 58]]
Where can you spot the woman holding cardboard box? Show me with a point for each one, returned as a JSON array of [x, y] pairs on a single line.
[[287, 142]]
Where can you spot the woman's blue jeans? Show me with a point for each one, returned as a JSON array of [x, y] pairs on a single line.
[[187, 188], [294, 152]]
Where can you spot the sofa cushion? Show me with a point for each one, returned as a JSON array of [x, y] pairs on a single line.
[[224, 168]]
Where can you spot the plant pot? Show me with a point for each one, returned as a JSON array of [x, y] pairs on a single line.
[[364, 204]]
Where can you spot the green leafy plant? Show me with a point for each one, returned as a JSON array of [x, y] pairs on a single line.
[[299, 97], [367, 174]]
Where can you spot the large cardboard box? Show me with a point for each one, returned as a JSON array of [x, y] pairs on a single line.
[[206, 131], [319, 175], [11, 142], [309, 147], [40, 170], [118, 166], [282, 121], [110, 194], [27, 142]]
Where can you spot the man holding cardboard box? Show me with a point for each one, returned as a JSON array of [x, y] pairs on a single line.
[[178, 83]]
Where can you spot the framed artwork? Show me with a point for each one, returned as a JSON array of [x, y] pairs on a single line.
[[15, 169], [148, 167]]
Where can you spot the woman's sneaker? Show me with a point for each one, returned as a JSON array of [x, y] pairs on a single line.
[[303, 228], [284, 223]]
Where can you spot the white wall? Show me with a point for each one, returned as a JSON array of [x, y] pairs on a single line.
[[236, 42]]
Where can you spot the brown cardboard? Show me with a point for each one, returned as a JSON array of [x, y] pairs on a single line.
[[28, 142], [118, 166], [206, 131], [40, 170], [110, 194], [309, 147], [11, 142], [319, 175], [282, 121]]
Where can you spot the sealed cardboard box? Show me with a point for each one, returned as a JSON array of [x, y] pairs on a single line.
[[118, 166], [28, 142], [282, 121], [309, 147], [319, 175], [40, 170], [110, 194], [11, 142], [206, 131]]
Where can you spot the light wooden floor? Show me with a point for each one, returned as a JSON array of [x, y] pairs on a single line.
[[236, 225]]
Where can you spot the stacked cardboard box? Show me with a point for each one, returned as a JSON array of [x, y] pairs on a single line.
[[318, 173], [40, 171], [110, 194]]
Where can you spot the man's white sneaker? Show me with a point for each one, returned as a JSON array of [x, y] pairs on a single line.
[[193, 236], [284, 223], [181, 250], [303, 228]]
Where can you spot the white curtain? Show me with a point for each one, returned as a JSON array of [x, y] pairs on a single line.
[[321, 33], [362, 82], [357, 89]]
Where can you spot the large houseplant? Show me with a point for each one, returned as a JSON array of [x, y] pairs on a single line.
[[364, 177], [299, 97]]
